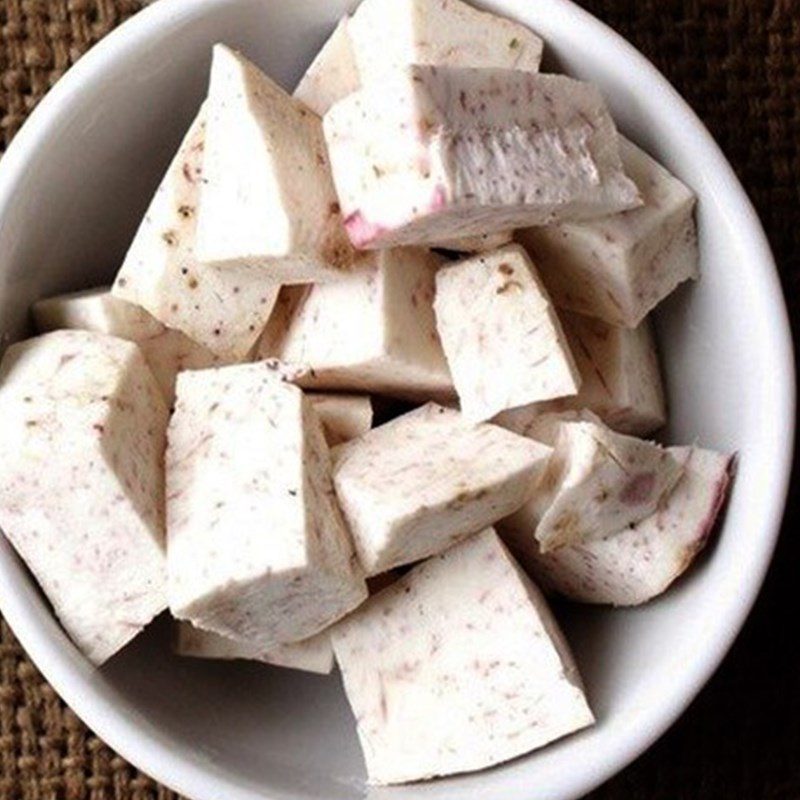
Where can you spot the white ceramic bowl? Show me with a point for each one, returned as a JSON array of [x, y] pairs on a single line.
[[72, 188]]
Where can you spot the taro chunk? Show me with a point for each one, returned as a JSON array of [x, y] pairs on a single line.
[[620, 379], [343, 416], [223, 311], [457, 666], [596, 482], [414, 486], [372, 331], [501, 334], [257, 549], [82, 482], [310, 655], [267, 200], [166, 351], [638, 563], [448, 33], [453, 152], [620, 267], [333, 74]]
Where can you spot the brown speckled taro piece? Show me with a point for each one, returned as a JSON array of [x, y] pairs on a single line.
[[501, 335], [621, 379], [224, 311], [476, 244], [640, 562], [257, 549], [458, 666], [267, 201], [82, 482], [620, 267], [166, 351], [372, 331], [595, 483], [343, 416], [436, 153], [310, 655], [448, 33], [416, 485]]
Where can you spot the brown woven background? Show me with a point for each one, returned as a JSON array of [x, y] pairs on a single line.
[[738, 63]]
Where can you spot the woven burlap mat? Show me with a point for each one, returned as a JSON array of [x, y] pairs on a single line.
[[738, 63]]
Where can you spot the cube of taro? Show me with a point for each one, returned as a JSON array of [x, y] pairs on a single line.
[[310, 655], [618, 268], [596, 483], [418, 484], [449, 33], [166, 351], [267, 199], [332, 75], [256, 547], [501, 335], [343, 416], [452, 152], [82, 482], [372, 331], [457, 666], [224, 311], [640, 562], [620, 380]]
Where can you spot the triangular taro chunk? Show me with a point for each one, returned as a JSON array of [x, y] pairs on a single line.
[[82, 482], [620, 379], [618, 268], [310, 655], [449, 33], [458, 666], [332, 75], [414, 486], [453, 152], [501, 335], [166, 351], [372, 331], [223, 311], [267, 200], [639, 563], [257, 549], [596, 482]]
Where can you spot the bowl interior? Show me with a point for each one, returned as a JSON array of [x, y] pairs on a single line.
[[72, 191]]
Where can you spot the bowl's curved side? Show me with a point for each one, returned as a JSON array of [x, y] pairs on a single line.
[[710, 607]]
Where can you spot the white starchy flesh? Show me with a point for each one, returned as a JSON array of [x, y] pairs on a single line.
[[372, 331], [166, 351], [618, 268], [343, 416], [458, 666], [333, 73], [595, 483], [224, 311], [455, 152], [267, 202], [418, 484], [638, 563], [620, 379], [82, 482], [448, 33], [476, 244], [257, 549], [501, 335], [310, 655], [542, 427]]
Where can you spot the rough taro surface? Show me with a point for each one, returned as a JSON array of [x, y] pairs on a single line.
[[457, 666]]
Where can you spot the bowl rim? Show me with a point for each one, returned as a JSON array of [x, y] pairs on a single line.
[[198, 778]]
